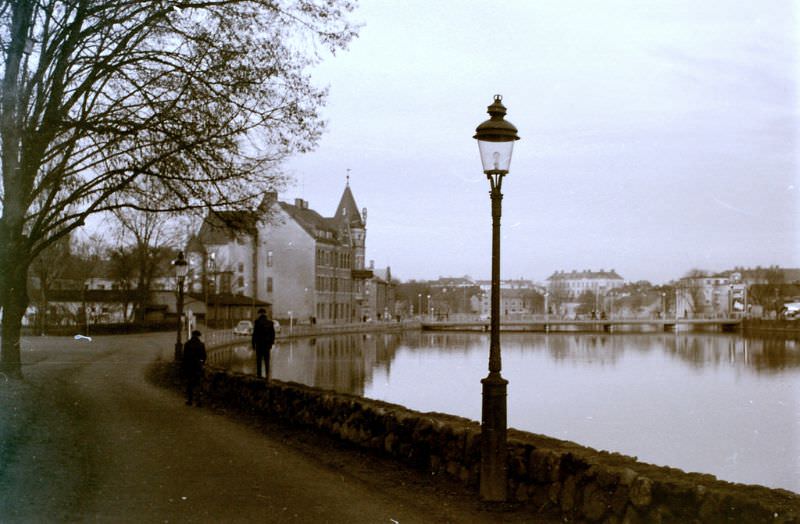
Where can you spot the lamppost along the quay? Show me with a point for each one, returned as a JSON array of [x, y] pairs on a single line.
[[181, 268], [496, 138]]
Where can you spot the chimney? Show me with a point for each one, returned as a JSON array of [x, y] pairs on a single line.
[[372, 264], [300, 203], [266, 202], [364, 216]]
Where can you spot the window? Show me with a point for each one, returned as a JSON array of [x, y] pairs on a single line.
[[241, 267], [240, 282], [269, 284], [269, 258]]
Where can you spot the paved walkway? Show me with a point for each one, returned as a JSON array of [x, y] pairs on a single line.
[[85, 437]]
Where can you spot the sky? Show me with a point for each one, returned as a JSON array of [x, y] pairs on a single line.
[[656, 137]]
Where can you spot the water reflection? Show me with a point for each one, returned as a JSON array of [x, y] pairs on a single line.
[[709, 402]]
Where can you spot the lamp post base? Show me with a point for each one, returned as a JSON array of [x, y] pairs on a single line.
[[494, 452]]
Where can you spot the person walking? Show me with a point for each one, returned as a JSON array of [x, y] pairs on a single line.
[[194, 357], [263, 338]]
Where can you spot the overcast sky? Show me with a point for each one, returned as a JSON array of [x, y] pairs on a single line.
[[657, 136]]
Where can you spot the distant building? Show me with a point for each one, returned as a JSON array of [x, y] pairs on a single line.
[[380, 294], [451, 282], [710, 296], [515, 297], [767, 275], [570, 285]]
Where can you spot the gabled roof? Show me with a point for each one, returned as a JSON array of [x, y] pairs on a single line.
[[348, 210], [586, 274], [452, 282], [221, 227], [312, 222], [227, 299]]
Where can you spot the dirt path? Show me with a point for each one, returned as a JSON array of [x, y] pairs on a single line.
[[85, 437]]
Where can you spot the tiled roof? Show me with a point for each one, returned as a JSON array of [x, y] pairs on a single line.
[[312, 221], [348, 210], [220, 227], [228, 299], [586, 274]]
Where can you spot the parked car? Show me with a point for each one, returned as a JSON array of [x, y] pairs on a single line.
[[244, 327]]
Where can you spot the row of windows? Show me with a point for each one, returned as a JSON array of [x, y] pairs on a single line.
[[240, 283], [338, 259], [334, 311], [240, 267], [590, 284], [333, 284]]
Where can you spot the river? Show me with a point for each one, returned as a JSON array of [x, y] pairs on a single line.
[[706, 402]]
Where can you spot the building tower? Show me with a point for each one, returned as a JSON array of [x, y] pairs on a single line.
[[354, 225]]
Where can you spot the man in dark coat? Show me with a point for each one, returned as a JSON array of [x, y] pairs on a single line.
[[263, 338], [194, 356]]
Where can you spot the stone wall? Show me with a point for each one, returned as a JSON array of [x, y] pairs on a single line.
[[768, 326], [544, 473]]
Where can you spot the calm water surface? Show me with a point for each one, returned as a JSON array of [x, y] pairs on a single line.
[[712, 403]]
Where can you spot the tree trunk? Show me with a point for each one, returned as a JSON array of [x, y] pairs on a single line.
[[15, 302]]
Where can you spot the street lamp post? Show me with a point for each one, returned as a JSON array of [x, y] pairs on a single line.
[[181, 268], [730, 301], [429, 308], [663, 305], [419, 305], [546, 306], [496, 138]]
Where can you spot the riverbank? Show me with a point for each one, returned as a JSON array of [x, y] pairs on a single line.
[[545, 474], [759, 326]]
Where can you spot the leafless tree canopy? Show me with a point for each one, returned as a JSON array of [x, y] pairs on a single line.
[[192, 102], [196, 101]]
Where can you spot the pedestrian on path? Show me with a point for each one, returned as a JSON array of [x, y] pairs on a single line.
[[194, 357], [263, 338]]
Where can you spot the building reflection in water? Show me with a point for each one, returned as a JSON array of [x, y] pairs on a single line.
[[348, 363], [709, 402]]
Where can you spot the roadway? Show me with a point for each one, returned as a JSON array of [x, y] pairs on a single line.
[[85, 437]]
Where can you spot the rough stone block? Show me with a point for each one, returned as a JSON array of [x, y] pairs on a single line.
[[619, 500], [631, 516], [554, 493], [641, 492], [521, 494], [568, 495], [595, 503]]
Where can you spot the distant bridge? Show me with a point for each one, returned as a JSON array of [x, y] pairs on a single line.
[[572, 325]]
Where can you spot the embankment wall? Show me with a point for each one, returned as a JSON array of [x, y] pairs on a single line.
[[543, 473]]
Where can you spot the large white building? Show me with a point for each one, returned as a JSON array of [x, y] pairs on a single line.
[[570, 285], [308, 267]]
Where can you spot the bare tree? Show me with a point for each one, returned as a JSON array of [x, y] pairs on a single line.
[[123, 271], [148, 238], [46, 268], [693, 289], [194, 101]]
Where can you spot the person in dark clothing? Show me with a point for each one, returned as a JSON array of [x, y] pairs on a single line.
[[194, 356], [263, 338]]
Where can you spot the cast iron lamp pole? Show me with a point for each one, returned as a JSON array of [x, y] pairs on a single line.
[[181, 268], [496, 138]]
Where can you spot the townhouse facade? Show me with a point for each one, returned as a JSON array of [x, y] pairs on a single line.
[[570, 285], [711, 296], [515, 297], [307, 267]]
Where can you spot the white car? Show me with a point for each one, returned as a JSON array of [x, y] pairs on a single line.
[[244, 327]]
